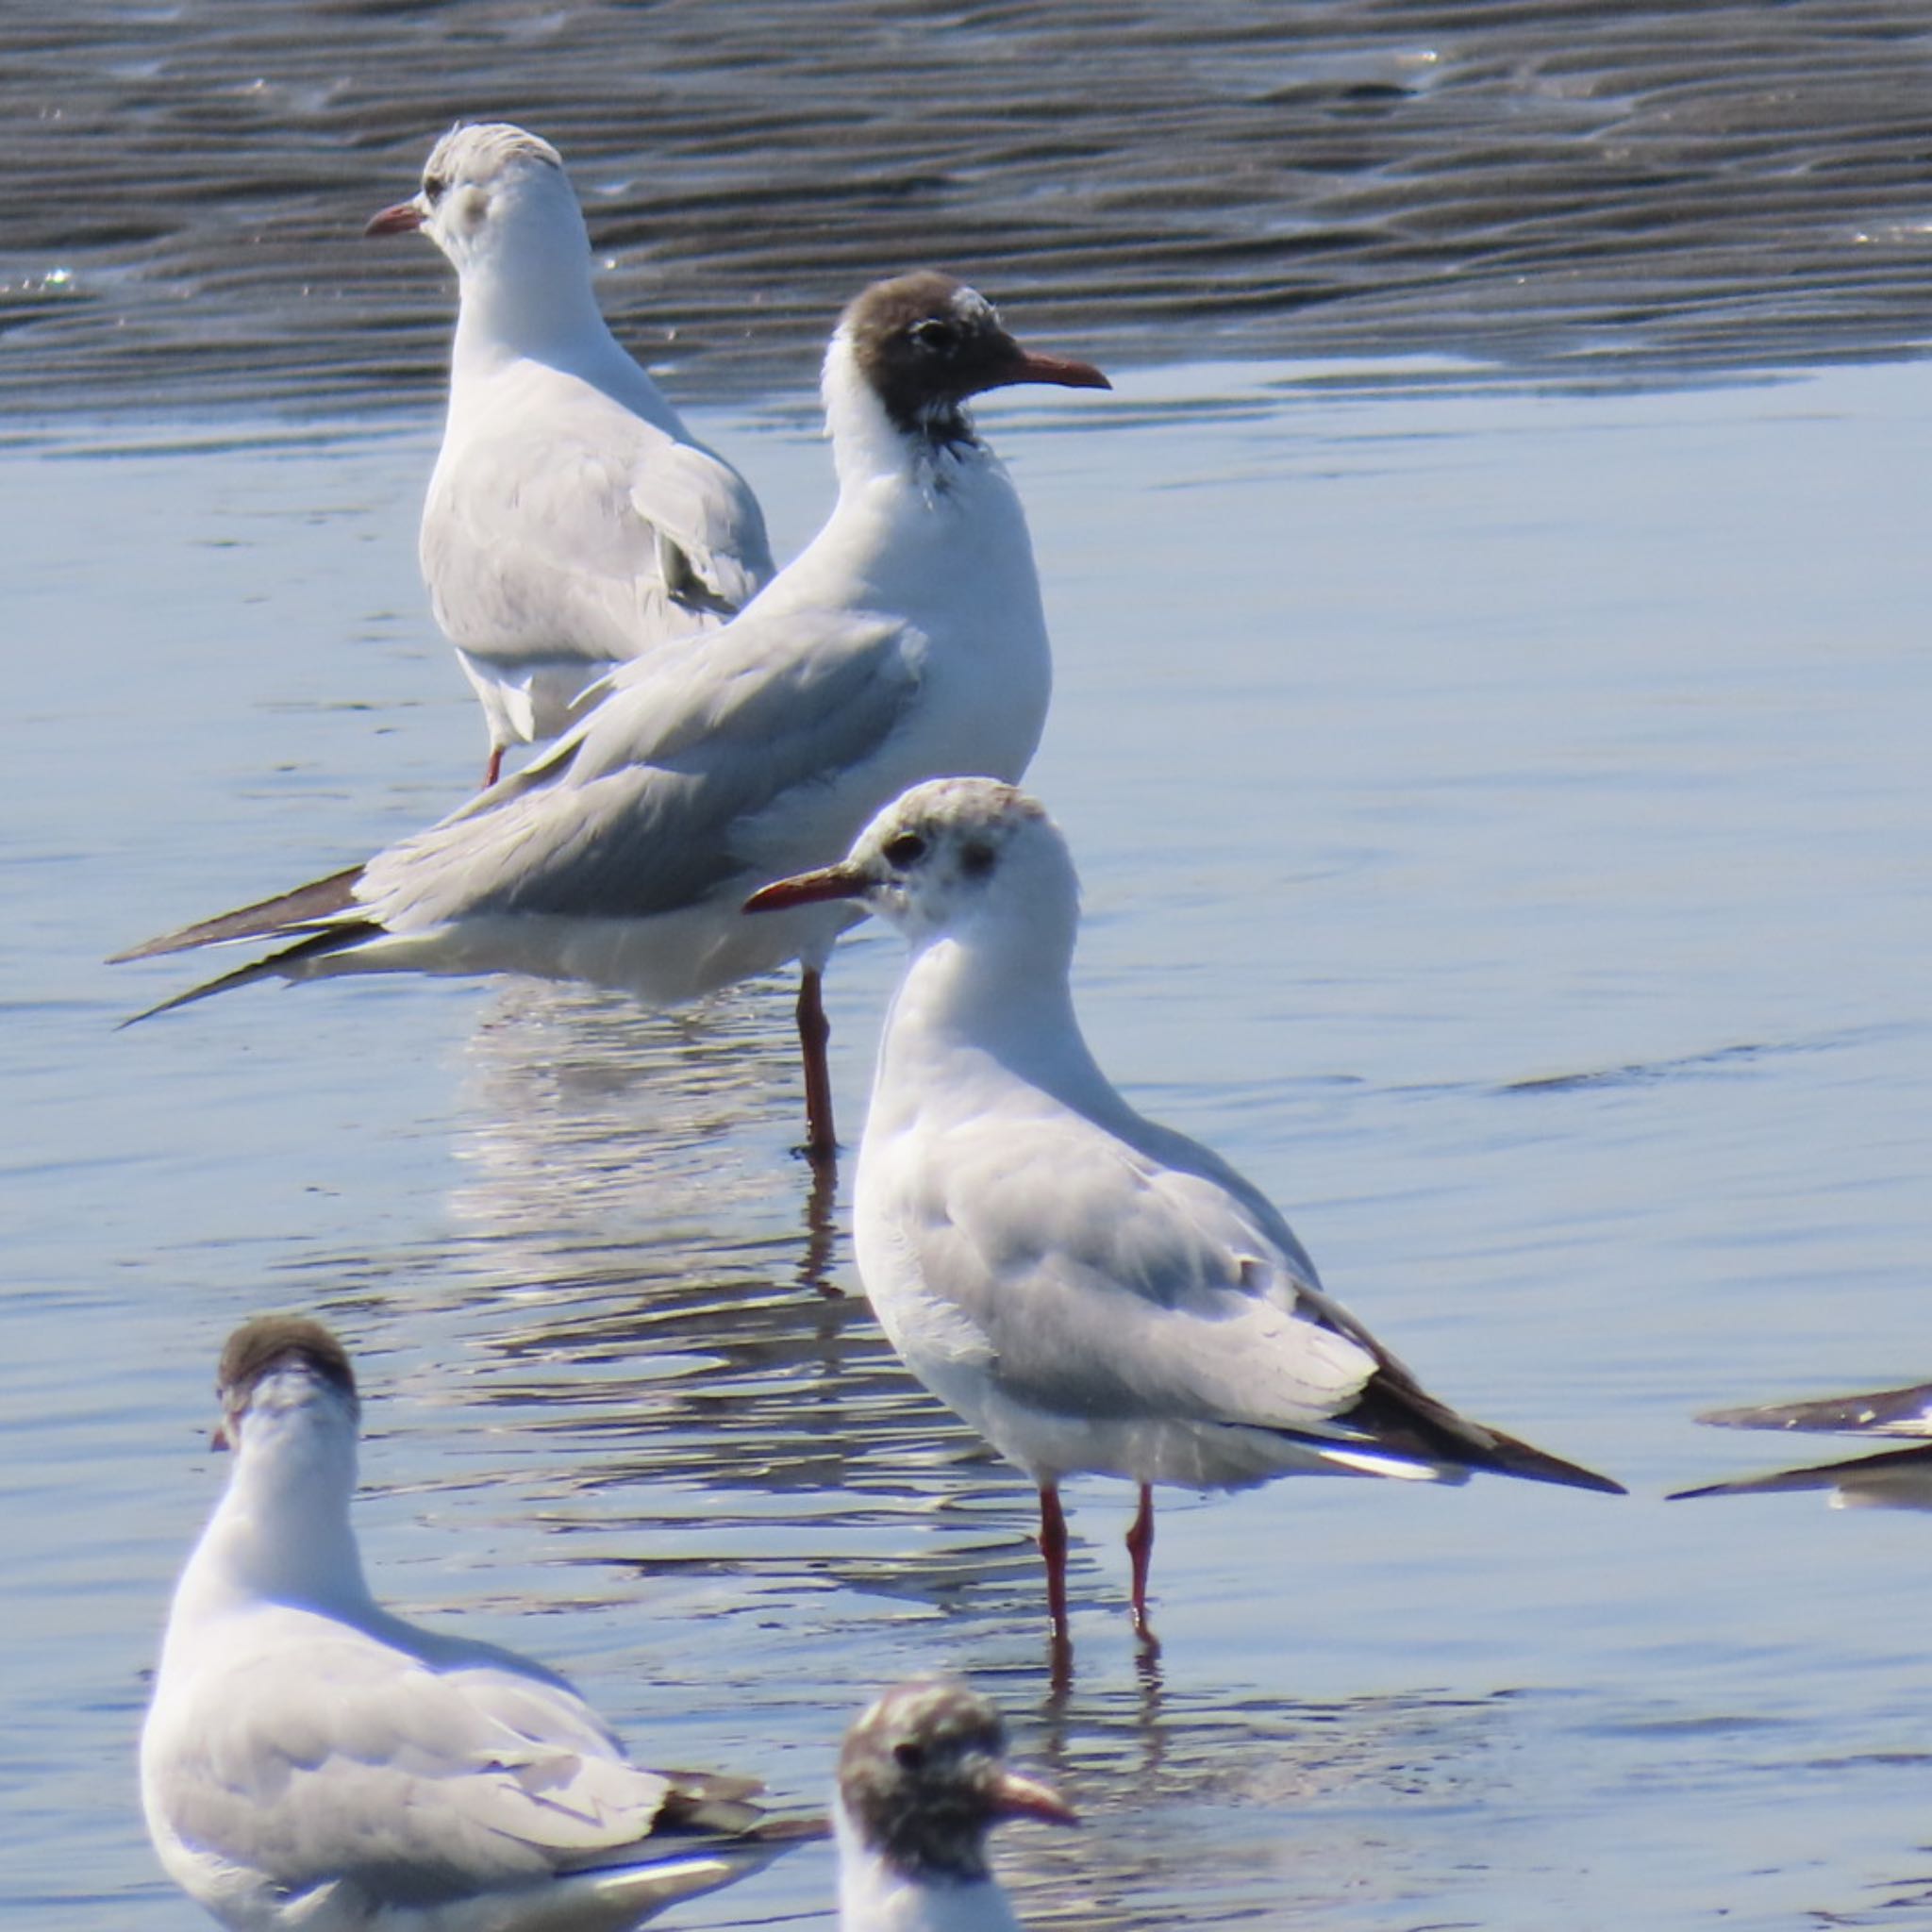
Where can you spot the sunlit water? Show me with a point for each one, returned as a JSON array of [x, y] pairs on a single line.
[[1501, 797], [1502, 818]]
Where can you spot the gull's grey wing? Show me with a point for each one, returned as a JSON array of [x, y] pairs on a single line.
[[666, 790], [309, 909], [334, 1756], [704, 511], [1894, 1479], [1881, 1412], [1104, 1281], [562, 525]]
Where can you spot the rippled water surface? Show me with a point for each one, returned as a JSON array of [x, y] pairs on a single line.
[[1578, 183], [1500, 791]]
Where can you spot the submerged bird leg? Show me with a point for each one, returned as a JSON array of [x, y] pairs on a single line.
[[814, 1030], [1052, 1546], [1140, 1552], [494, 769]]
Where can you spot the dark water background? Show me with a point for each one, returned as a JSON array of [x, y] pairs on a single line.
[[1491, 711], [1568, 186]]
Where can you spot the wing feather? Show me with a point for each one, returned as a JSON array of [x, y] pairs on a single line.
[[546, 527], [661, 795], [374, 1767]]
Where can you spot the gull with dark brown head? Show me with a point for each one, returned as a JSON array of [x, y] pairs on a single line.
[[923, 1780], [312, 1763], [572, 522], [908, 640], [1091, 1291]]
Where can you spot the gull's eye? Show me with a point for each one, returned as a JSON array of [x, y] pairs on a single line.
[[909, 848], [434, 188], [908, 1756], [934, 334]]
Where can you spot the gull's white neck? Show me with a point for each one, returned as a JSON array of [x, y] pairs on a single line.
[[869, 448], [874, 1898], [990, 1001], [528, 294], [281, 1531]]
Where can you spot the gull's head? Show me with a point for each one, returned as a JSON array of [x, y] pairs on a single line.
[[491, 191], [923, 343], [923, 1778], [948, 855], [282, 1369]]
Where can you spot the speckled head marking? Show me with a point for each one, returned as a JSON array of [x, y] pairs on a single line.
[[924, 342], [922, 1779], [938, 845], [259, 1348], [469, 176], [479, 151]]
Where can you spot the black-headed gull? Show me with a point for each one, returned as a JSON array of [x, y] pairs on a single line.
[[922, 1781], [908, 640], [572, 521], [1090, 1291], [1892, 1479], [311, 1761]]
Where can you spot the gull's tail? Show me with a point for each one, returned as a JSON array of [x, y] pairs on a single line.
[[635, 1883]]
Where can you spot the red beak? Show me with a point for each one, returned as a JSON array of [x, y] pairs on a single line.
[[809, 889], [1062, 371], [1015, 1796], [402, 219]]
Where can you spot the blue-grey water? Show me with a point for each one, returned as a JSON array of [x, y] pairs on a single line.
[[1500, 792]]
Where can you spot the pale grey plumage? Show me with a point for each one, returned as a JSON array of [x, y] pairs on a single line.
[[572, 520], [312, 1761]]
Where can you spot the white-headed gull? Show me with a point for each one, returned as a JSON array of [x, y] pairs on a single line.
[[572, 521], [908, 640], [922, 1781], [1892, 1479], [311, 1761], [1089, 1291]]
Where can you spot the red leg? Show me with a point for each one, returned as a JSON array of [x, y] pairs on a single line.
[[494, 769], [1141, 1551], [1052, 1546], [814, 1030]]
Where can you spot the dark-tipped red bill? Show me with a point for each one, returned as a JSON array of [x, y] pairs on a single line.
[[809, 889], [1062, 371], [1014, 1796], [404, 218]]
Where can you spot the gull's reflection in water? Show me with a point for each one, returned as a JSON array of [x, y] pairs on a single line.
[[1211, 1807], [587, 1122]]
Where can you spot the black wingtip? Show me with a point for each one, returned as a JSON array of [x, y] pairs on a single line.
[[282, 917], [277, 965]]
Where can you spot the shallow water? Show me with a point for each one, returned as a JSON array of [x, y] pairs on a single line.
[[1504, 844], [1498, 779]]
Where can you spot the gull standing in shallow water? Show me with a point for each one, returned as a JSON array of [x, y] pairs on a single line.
[[922, 1781], [1089, 1291], [1893, 1479], [906, 640], [311, 1761], [572, 521]]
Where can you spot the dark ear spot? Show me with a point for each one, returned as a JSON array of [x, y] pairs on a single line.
[[976, 860]]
